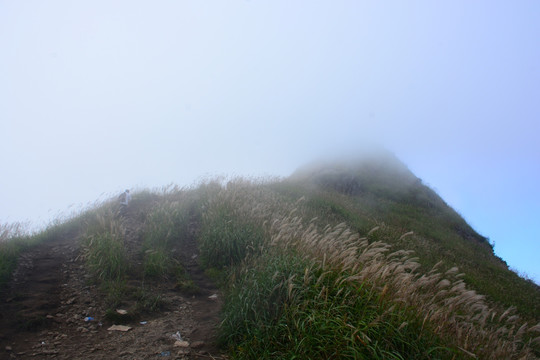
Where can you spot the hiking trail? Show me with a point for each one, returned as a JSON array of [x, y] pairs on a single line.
[[46, 308]]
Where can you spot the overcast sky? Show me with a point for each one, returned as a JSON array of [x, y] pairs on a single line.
[[98, 96]]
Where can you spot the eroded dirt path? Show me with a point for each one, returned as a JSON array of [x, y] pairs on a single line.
[[45, 311], [36, 289]]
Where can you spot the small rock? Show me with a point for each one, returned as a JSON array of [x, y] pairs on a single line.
[[213, 297], [121, 311], [119, 328], [70, 301], [9, 348], [181, 343]]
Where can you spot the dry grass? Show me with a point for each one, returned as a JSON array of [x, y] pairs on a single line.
[[103, 248], [440, 299], [232, 221], [13, 240], [12, 231]]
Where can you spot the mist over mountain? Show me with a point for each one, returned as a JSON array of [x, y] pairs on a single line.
[[379, 174], [375, 189]]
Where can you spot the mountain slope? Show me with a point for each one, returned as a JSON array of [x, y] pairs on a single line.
[[344, 259], [379, 190], [60, 304]]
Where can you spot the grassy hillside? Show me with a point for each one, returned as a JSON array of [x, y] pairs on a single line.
[[355, 259], [381, 191]]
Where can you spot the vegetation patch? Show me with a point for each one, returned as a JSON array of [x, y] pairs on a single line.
[[326, 292], [104, 249]]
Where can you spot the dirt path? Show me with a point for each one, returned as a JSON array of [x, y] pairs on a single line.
[[36, 288], [45, 311]]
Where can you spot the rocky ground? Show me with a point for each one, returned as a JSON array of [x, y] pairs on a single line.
[[51, 310]]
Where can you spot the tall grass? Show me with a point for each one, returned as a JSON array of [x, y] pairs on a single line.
[[103, 249], [165, 229], [439, 234], [13, 240], [232, 222], [441, 301], [115, 239], [310, 291]]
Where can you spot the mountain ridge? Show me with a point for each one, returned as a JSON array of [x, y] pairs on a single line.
[[359, 247]]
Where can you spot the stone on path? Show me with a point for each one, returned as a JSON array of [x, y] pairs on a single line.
[[181, 343], [119, 328]]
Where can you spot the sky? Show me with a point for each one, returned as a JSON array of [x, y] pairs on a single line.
[[98, 96]]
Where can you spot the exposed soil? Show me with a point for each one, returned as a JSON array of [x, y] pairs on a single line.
[[45, 311]]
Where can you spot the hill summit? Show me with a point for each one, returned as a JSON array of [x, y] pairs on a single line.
[[381, 176]]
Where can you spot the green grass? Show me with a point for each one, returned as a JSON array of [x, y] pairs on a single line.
[[324, 292], [231, 225], [440, 234], [284, 306], [157, 263], [10, 250], [227, 239], [104, 249], [162, 220], [166, 228]]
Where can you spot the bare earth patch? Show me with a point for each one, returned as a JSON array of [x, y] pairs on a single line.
[[50, 310]]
